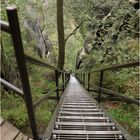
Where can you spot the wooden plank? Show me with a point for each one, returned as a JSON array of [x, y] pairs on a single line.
[[1, 120], [8, 132], [25, 138], [20, 136]]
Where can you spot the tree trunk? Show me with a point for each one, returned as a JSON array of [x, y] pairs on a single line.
[[61, 39]]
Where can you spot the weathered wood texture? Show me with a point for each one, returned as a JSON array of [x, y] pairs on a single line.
[[10, 132]]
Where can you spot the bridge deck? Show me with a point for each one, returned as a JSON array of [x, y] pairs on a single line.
[[79, 117]]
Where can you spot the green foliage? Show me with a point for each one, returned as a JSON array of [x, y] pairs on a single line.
[[13, 109], [44, 114], [128, 116]]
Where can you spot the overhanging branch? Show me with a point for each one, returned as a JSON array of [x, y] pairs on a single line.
[[74, 31]]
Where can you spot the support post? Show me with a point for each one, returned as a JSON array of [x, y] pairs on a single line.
[[88, 81], [63, 86], [65, 80], [101, 81], [19, 53], [83, 79], [57, 84]]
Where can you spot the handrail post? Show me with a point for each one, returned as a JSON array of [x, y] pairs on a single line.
[[69, 76], [65, 79], [101, 81], [88, 81], [83, 79], [19, 53], [57, 84], [63, 86], [78, 76]]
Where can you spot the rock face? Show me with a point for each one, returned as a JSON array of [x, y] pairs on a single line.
[[44, 45], [83, 52], [115, 22], [135, 3], [35, 28], [80, 57]]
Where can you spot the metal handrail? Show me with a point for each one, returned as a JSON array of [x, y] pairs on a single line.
[[34, 61], [40, 100], [12, 87], [19, 54], [109, 92], [81, 77], [45, 97], [114, 67], [5, 26]]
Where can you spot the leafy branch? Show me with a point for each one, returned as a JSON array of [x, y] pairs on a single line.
[[74, 31]]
